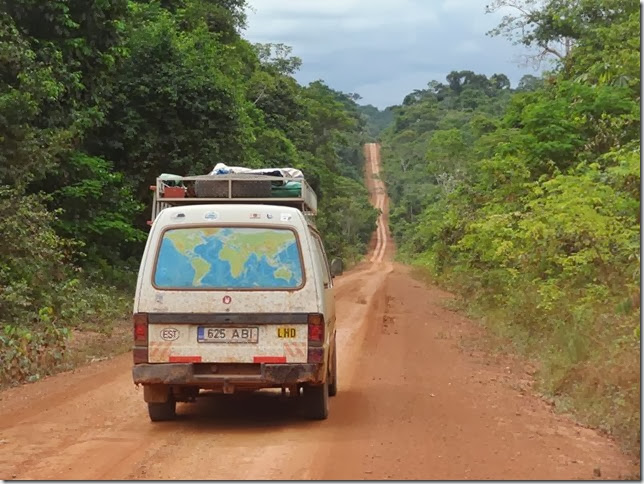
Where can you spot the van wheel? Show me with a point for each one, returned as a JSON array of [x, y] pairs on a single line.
[[162, 411], [333, 377], [316, 401]]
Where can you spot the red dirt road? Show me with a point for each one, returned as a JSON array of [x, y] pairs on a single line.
[[412, 404]]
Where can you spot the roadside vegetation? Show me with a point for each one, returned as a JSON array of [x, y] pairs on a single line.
[[99, 98], [526, 202]]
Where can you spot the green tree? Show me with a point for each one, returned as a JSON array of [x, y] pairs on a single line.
[[178, 106], [56, 59]]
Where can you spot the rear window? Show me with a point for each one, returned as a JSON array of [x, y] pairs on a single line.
[[228, 258]]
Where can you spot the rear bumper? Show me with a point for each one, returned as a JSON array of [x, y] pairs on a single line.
[[184, 374]]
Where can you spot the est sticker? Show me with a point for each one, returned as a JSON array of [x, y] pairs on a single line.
[[285, 332]]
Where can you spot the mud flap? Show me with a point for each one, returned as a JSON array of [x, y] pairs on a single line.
[[156, 393]]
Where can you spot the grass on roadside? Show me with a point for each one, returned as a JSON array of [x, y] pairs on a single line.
[[587, 356], [88, 321]]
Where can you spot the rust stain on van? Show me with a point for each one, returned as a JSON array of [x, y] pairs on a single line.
[[159, 351]]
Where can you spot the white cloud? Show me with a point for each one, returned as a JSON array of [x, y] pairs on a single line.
[[340, 8], [451, 5], [321, 17], [304, 7], [383, 48], [468, 47], [391, 91]]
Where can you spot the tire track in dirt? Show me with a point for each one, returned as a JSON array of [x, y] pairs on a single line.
[[428, 410], [379, 198]]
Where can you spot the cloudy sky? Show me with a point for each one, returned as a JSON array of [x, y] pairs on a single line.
[[384, 49]]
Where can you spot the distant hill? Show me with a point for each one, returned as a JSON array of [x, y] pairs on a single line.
[[377, 120]]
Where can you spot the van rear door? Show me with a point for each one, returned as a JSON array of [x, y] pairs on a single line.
[[229, 294]]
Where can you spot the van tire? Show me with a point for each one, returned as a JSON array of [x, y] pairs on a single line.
[[162, 411], [333, 377], [316, 401]]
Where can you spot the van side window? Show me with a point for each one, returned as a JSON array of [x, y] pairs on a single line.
[[324, 263]]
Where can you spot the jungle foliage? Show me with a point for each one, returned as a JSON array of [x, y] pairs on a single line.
[[96, 100]]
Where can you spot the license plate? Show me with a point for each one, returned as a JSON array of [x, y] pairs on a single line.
[[207, 334]]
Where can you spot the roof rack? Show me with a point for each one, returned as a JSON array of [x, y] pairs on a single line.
[[173, 190]]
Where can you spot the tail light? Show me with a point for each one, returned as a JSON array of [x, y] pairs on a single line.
[[315, 354], [140, 355], [140, 329], [316, 328]]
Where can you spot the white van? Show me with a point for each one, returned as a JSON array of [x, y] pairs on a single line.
[[233, 297]]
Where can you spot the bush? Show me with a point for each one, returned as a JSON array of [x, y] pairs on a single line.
[[42, 295]]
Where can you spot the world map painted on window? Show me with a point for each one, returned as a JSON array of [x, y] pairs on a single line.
[[227, 257]]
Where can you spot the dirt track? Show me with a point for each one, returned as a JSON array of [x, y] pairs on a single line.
[[411, 405]]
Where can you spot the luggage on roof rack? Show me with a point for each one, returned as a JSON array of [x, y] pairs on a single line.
[[174, 190]]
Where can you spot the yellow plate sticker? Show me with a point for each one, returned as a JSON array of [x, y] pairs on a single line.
[[285, 332]]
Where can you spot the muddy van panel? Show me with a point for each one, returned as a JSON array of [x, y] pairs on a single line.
[[242, 342]]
